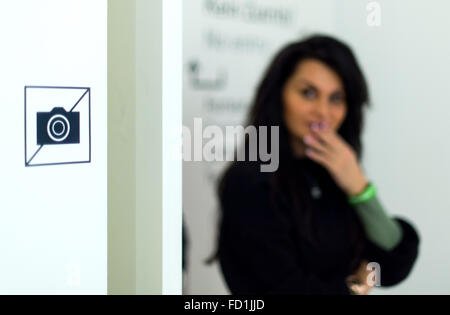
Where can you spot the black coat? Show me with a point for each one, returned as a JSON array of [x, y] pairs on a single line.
[[261, 251]]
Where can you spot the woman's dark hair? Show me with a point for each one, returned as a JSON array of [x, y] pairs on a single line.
[[267, 110]]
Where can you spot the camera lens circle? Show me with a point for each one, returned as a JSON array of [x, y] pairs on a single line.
[[58, 128]]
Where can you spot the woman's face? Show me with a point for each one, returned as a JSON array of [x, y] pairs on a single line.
[[314, 94]]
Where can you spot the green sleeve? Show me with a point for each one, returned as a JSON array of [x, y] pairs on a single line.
[[380, 228]]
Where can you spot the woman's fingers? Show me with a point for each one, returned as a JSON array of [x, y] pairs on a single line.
[[327, 137], [319, 147], [317, 151], [319, 158]]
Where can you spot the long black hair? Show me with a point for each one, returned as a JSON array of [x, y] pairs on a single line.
[[267, 110]]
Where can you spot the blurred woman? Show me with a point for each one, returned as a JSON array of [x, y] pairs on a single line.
[[314, 225]]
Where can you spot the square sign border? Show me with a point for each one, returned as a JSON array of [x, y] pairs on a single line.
[[25, 120]]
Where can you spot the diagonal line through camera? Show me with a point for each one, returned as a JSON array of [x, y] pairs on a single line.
[[35, 154], [74, 106]]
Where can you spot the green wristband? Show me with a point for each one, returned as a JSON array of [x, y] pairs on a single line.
[[366, 195]]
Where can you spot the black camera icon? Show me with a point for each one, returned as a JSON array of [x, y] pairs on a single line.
[[58, 127]]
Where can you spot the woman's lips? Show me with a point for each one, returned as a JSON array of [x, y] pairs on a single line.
[[319, 125]]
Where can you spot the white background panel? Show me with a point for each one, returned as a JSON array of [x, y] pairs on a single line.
[[52, 219]]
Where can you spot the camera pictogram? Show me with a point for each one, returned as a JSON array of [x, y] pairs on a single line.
[[57, 125]]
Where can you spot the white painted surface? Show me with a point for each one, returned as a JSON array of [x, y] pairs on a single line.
[[52, 218], [172, 116]]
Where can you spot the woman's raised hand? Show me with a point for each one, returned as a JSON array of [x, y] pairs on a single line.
[[329, 149]]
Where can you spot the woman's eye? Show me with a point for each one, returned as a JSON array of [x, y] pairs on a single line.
[[336, 99], [308, 93]]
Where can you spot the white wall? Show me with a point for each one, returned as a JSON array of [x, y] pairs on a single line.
[[52, 218], [406, 63]]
